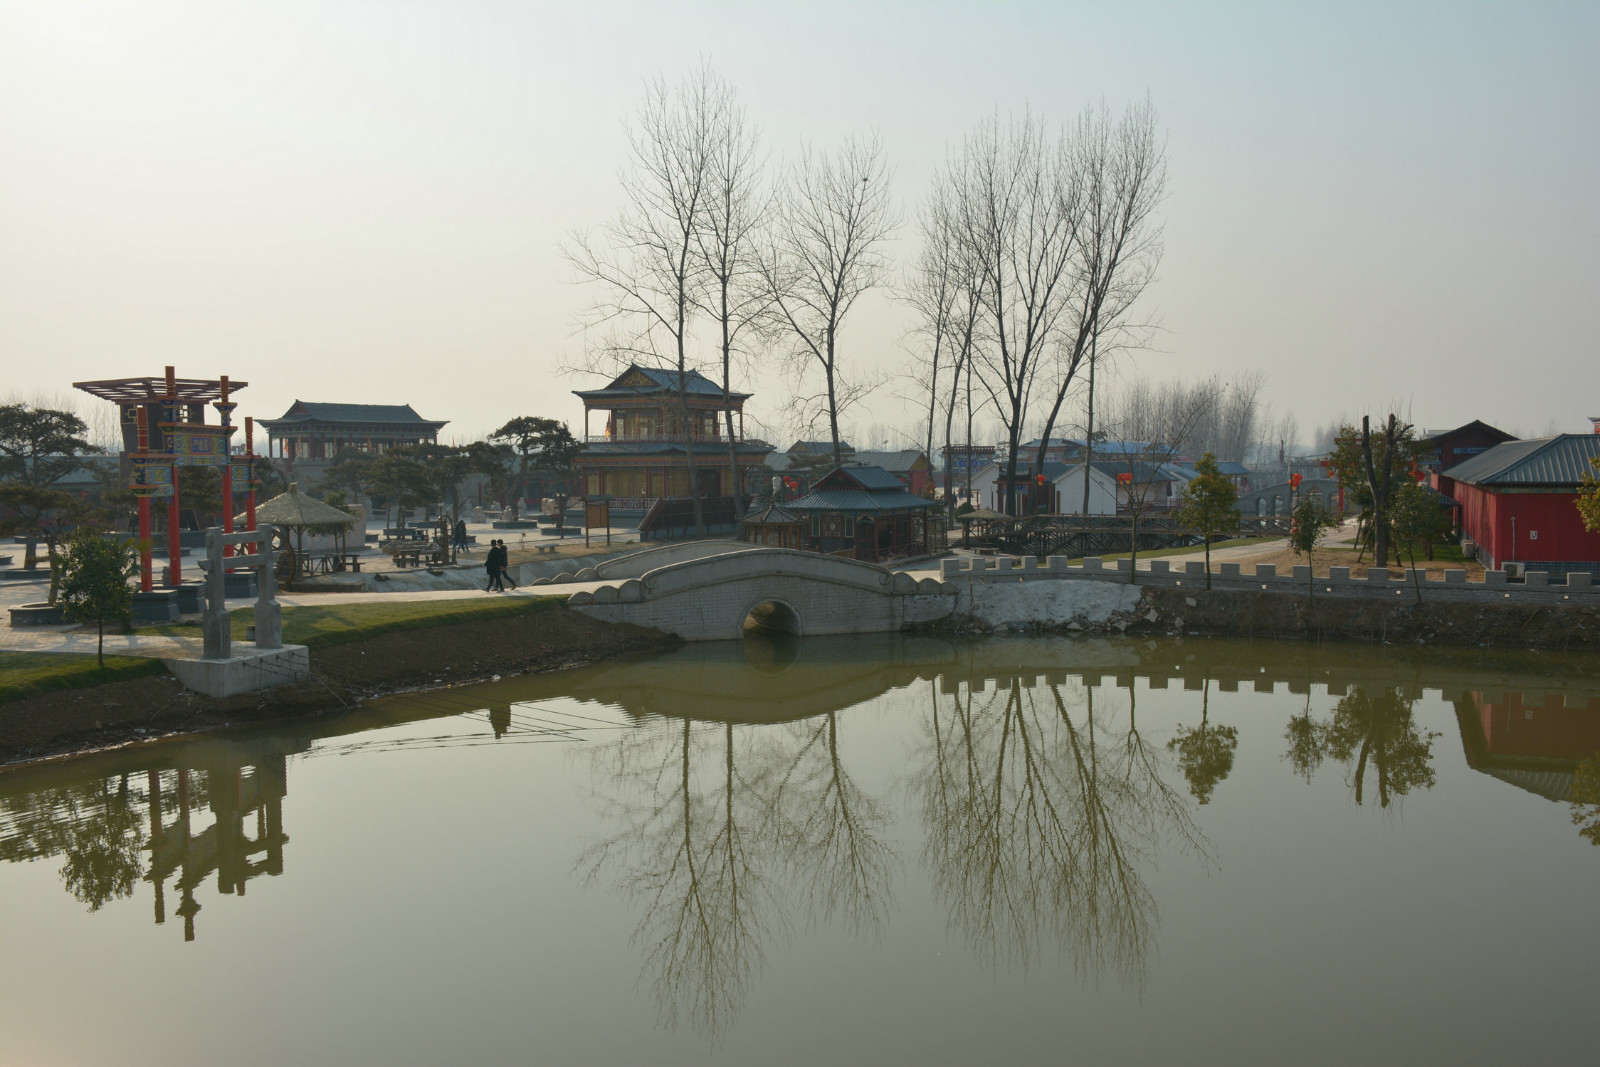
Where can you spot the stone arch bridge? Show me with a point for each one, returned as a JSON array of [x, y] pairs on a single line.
[[714, 598]]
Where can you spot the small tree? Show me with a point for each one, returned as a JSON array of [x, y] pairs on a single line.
[[37, 513], [38, 447], [1416, 518], [1210, 504], [96, 572], [401, 479], [1308, 522], [1589, 500], [542, 445]]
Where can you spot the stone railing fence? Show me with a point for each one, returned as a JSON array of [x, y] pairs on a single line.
[[1536, 587]]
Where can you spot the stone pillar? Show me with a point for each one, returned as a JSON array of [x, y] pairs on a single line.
[[269, 615], [215, 625]]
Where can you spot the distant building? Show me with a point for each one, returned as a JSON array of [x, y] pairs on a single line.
[[959, 459], [317, 432], [1517, 503], [910, 465], [643, 454], [818, 448], [1443, 449]]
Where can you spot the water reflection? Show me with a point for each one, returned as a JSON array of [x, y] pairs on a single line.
[[116, 826], [1039, 817], [736, 802]]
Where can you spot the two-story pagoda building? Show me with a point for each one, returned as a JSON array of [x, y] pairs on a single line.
[[643, 449]]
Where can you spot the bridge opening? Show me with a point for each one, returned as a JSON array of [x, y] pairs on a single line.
[[772, 616]]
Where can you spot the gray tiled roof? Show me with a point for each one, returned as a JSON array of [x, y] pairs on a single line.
[[664, 383], [902, 460], [1557, 461], [865, 477], [859, 500], [305, 411]]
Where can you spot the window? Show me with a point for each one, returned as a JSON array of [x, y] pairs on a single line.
[[849, 526], [816, 526]]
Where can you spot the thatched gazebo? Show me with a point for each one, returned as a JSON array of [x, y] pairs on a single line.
[[293, 512]]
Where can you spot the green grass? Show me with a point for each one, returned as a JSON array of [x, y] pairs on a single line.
[[325, 625], [24, 674]]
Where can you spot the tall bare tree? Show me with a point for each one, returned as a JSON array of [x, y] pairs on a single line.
[[732, 294], [833, 216], [648, 261], [1120, 171], [1013, 201]]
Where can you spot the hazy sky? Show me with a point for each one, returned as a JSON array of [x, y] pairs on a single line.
[[363, 202]]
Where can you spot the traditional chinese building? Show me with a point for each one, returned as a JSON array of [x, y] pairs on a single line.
[[870, 514], [643, 452], [310, 431]]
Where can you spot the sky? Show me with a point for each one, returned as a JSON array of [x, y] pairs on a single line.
[[1375, 205]]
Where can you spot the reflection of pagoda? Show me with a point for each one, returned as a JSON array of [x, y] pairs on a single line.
[[1530, 740], [235, 782]]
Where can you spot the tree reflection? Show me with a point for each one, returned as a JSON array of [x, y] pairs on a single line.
[[688, 853], [1372, 729], [1585, 798], [831, 832], [1205, 752], [1037, 824], [95, 826]]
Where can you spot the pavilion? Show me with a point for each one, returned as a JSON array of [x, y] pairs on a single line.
[[870, 514], [645, 450], [310, 431]]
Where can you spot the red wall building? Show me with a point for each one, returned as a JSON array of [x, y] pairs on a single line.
[[1517, 503], [1443, 450]]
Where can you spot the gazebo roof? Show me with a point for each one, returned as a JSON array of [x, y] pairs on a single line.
[[296, 509], [150, 389], [773, 515]]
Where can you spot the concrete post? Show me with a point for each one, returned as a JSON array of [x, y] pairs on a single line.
[[215, 624], [269, 615]]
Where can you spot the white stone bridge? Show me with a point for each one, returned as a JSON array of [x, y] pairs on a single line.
[[715, 598]]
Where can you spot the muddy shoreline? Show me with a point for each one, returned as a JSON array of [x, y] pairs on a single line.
[[138, 710]]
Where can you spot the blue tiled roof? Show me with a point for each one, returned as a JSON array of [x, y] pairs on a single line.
[[859, 500]]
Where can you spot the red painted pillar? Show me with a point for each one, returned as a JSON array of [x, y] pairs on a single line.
[[146, 584], [250, 493], [173, 548]]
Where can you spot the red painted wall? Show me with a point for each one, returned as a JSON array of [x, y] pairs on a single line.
[[1486, 518]]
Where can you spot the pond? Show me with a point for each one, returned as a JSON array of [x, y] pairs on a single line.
[[891, 850]]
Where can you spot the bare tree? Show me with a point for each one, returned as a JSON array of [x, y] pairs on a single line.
[[1119, 175], [833, 215], [648, 261], [1012, 203], [732, 294]]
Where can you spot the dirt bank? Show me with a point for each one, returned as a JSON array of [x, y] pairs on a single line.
[[343, 675]]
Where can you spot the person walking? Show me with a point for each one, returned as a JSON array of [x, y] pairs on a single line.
[[505, 565], [461, 534], [492, 566]]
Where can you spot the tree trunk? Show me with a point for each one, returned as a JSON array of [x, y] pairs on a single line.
[[1088, 435], [1208, 562]]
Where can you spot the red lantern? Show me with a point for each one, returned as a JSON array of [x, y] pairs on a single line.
[[1041, 479], [1126, 477], [1294, 481]]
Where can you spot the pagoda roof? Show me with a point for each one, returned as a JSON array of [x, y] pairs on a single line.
[[645, 383], [619, 449], [304, 412], [859, 489]]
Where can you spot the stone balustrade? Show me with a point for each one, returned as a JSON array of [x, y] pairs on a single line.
[[1537, 586]]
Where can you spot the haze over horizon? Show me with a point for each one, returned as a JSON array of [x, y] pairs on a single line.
[[364, 203]]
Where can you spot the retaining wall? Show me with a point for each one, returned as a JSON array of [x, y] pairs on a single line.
[[1537, 587]]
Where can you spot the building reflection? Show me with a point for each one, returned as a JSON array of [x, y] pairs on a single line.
[[172, 818]]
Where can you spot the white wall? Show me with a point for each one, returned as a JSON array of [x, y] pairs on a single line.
[[1102, 492]]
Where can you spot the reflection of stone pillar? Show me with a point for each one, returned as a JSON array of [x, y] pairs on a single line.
[[187, 909]]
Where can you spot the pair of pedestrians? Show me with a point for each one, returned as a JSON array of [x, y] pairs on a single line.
[[496, 567]]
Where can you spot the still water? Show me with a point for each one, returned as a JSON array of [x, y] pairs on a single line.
[[893, 850]]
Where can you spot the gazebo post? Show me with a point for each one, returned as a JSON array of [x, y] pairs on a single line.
[[174, 549], [225, 411]]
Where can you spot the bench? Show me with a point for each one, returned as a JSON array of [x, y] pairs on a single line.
[[543, 549]]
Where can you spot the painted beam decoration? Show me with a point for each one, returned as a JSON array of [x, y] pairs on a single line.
[[152, 474], [193, 444]]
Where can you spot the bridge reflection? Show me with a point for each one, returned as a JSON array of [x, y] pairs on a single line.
[[740, 800]]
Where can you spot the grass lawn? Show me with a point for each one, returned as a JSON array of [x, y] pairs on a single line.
[[323, 625], [25, 673]]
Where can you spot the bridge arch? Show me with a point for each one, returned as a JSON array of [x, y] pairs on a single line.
[[774, 614]]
